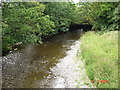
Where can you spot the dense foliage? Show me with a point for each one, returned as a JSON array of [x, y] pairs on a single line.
[[102, 15], [62, 14], [28, 22]]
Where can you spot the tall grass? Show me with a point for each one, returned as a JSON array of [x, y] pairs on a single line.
[[100, 53]]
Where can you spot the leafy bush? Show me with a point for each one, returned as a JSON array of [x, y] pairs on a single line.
[[61, 13], [102, 15], [29, 22], [24, 22]]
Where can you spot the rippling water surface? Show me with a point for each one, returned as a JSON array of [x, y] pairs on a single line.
[[47, 65]]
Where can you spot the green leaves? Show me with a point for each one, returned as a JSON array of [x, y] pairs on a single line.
[[61, 13], [29, 22], [100, 14], [24, 22]]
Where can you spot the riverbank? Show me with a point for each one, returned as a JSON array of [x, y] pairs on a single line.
[[100, 54], [48, 65]]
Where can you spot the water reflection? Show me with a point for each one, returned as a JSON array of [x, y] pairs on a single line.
[[32, 65]]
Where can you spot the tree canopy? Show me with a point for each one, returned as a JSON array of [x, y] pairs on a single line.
[[102, 15], [30, 22]]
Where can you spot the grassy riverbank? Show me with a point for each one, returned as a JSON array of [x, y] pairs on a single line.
[[100, 54]]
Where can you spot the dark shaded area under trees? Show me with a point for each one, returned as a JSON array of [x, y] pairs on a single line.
[[29, 22]]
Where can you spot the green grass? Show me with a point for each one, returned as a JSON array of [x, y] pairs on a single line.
[[100, 53]]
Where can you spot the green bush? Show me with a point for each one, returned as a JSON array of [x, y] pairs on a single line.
[[61, 13], [29, 22], [24, 22]]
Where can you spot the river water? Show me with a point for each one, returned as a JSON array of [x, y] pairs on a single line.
[[48, 65]]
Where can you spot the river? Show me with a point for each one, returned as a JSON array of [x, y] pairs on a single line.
[[52, 64]]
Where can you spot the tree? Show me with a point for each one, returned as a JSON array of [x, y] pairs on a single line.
[[100, 14], [61, 13], [22, 22]]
